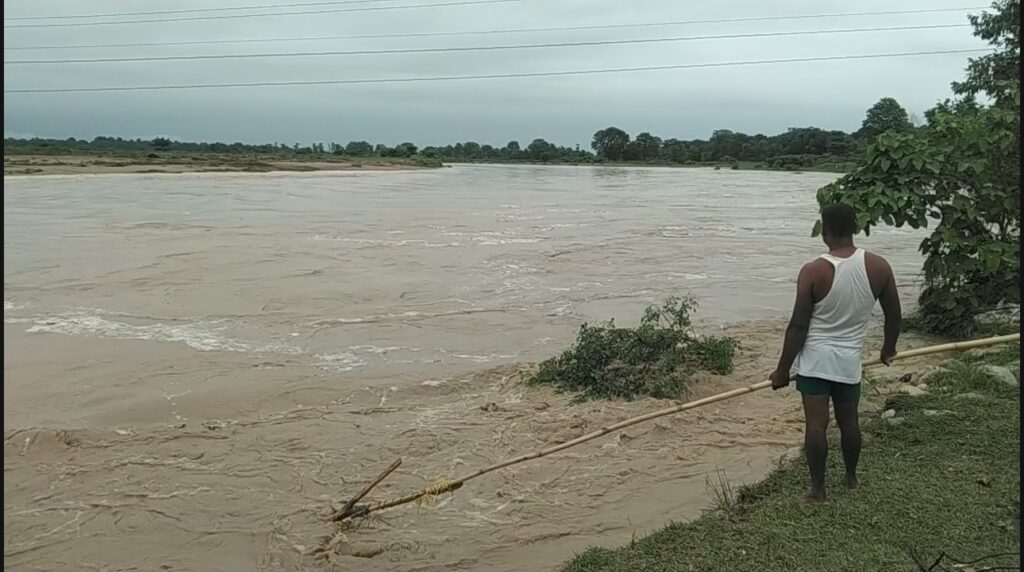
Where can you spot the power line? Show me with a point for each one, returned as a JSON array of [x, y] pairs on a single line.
[[232, 16], [489, 32], [480, 48], [197, 10], [486, 76]]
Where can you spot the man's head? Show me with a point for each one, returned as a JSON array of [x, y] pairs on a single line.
[[838, 224]]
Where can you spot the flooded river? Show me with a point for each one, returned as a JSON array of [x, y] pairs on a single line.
[[196, 364]]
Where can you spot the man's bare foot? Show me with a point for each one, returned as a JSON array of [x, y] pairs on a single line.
[[814, 498], [852, 482]]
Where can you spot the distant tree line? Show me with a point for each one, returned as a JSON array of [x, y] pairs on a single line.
[[797, 147], [539, 150], [103, 144]]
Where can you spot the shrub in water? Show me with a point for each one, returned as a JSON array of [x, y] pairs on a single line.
[[655, 359]]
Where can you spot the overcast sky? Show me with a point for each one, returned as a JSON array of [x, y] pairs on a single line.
[[687, 103]]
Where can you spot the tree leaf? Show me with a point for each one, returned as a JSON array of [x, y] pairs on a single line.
[[992, 262]]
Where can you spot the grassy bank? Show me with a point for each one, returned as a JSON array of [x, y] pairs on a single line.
[[939, 484]]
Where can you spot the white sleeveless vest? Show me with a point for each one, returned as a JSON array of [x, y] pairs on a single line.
[[839, 323]]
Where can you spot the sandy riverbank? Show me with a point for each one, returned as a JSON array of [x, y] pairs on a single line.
[[15, 165]]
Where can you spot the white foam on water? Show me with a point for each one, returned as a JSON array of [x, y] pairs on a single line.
[[199, 336], [339, 362], [371, 349], [398, 316], [525, 283], [497, 233], [551, 227], [776, 280], [481, 358], [491, 241], [517, 217], [686, 276], [509, 269], [892, 230], [563, 309], [370, 319], [382, 242]]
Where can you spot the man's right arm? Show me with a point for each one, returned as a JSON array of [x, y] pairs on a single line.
[[889, 299], [799, 323]]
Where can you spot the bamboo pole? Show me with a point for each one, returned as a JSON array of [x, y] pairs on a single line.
[[446, 486], [347, 510]]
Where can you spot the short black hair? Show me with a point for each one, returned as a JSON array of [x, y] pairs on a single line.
[[839, 220]]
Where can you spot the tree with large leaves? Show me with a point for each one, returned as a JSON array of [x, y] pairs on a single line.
[[963, 172]]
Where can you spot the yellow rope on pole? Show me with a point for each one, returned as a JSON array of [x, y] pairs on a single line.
[[443, 486], [439, 487]]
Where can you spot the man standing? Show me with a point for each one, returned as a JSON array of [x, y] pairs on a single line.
[[835, 295]]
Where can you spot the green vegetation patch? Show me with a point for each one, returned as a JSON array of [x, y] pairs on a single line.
[[939, 488], [656, 359]]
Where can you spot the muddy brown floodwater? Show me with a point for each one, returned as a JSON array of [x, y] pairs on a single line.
[[196, 365]]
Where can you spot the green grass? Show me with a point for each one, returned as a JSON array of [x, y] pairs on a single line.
[[1004, 355], [932, 485]]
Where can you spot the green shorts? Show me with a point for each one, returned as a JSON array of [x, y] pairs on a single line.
[[838, 391]]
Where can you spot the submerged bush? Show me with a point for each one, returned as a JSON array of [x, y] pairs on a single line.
[[656, 359]]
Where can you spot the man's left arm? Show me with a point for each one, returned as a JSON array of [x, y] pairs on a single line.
[[796, 332]]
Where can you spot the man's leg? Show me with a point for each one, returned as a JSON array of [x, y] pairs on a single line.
[[815, 442], [845, 402]]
